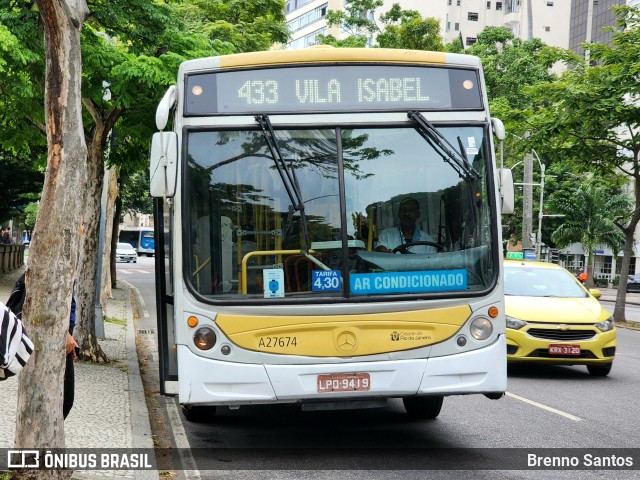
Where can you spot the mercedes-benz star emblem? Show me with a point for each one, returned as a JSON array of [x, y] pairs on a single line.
[[346, 341]]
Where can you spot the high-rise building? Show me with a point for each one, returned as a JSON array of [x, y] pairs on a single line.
[[464, 19], [544, 19], [588, 19], [306, 20], [560, 23]]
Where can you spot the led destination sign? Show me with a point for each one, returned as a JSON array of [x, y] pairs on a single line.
[[332, 88]]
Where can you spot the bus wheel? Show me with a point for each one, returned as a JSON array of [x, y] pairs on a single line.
[[423, 408], [199, 414]]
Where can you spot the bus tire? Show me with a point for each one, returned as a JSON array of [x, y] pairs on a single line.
[[198, 414], [423, 408]]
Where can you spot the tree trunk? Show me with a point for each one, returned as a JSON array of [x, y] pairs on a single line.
[[621, 296], [589, 283], [109, 244], [86, 288], [53, 256], [629, 233]]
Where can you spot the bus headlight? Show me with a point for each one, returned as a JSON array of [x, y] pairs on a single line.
[[481, 328], [204, 338]]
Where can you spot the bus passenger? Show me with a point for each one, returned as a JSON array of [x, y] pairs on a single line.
[[406, 232]]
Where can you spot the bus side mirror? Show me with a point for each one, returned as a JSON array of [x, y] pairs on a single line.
[[163, 164], [506, 191], [498, 128]]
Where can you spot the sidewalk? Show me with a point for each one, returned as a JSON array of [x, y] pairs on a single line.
[[610, 295], [109, 410]]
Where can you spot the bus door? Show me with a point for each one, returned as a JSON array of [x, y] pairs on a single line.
[[168, 360]]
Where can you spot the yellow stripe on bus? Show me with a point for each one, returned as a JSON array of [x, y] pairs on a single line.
[[327, 54], [343, 335]]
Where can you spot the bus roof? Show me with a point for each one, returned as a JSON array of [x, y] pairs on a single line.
[[329, 54]]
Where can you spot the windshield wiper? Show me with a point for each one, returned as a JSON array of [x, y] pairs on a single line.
[[442, 146], [289, 179]]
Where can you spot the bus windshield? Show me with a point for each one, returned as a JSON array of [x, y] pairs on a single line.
[[344, 213]]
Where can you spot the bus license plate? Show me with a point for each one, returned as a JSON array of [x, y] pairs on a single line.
[[569, 350], [344, 382]]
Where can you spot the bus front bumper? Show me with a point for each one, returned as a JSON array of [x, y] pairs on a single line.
[[226, 383]]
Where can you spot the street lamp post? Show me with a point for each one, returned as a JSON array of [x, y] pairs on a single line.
[[541, 185], [540, 212]]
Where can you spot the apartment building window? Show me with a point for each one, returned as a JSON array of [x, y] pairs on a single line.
[[547, 28], [458, 2], [456, 26], [448, 26], [472, 16], [549, 4], [307, 40], [512, 6], [296, 4], [498, 5], [449, 2], [307, 18], [488, 5], [470, 41]]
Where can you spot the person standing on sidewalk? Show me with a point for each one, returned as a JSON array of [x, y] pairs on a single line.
[[582, 276], [15, 303], [5, 236], [15, 346]]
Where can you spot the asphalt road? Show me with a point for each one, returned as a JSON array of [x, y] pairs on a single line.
[[546, 411]]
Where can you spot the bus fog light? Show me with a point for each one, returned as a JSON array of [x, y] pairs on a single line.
[[481, 328], [226, 349], [461, 341], [204, 338]]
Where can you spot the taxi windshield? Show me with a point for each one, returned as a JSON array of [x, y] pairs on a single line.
[[541, 282]]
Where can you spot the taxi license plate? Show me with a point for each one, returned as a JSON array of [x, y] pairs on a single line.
[[568, 350], [344, 382]]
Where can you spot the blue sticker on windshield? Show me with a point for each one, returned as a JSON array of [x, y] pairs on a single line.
[[408, 282], [326, 281]]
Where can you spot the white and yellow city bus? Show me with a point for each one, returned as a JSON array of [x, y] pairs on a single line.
[[274, 189]]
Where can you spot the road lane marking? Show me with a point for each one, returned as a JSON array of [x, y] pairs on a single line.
[[544, 407]]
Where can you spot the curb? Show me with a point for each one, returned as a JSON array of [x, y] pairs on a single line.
[[140, 423], [141, 436]]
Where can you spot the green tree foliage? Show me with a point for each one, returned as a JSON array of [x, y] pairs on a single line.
[[589, 215], [20, 183], [398, 28], [407, 29], [134, 193], [23, 145], [31, 213], [511, 65], [243, 25]]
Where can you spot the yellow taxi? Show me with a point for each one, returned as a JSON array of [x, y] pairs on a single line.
[[553, 319]]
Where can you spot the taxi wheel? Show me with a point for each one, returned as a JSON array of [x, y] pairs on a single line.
[[423, 408], [199, 414], [599, 370]]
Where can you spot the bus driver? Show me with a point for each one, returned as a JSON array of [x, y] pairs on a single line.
[[406, 232]]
